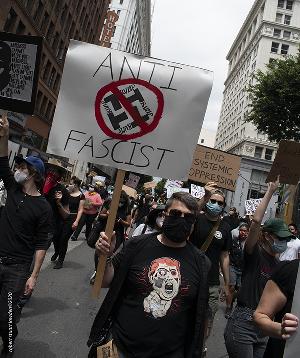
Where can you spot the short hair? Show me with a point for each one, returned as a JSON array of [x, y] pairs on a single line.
[[187, 199], [76, 181], [219, 192], [244, 225], [294, 225], [39, 180]]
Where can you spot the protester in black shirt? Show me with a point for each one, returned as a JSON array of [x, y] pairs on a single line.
[[242, 337], [25, 232], [76, 203], [209, 224], [272, 314], [236, 258], [158, 293], [58, 197], [232, 218]]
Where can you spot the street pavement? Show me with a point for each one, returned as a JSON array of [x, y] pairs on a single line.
[[56, 321]]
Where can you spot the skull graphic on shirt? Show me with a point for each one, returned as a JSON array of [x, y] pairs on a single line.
[[164, 276]]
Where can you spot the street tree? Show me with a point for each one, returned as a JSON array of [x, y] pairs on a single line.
[[275, 99]]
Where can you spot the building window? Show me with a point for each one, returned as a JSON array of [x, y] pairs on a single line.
[[274, 47], [284, 49], [287, 19], [50, 32], [287, 34], [280, 4], [20, 29], [258, 152], [202, 141], [279, 17], [47, 70], [277, 33], [29, 4], [38, 99], [51, 78], [121, 2], [56, 83], [43, 106], [55, 41], [269, 154], [289, 4], [49, 110], [10, 21]]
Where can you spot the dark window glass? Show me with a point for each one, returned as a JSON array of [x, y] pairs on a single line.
[[10, 21]]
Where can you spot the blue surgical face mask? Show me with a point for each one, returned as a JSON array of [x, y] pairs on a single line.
[[279, 246], [214, 209]]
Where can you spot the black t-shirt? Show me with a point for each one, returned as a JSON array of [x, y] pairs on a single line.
[[232, 220], [220, 242], [25, 220], [74, 202], [158, 301], [236, 254], [50, 196], [258, 268], [285, 277]]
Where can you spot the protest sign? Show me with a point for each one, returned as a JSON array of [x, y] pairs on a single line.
[[197, 191], [13, 149], [251, 206], [150, 185], [19, 71], [132, 180], [286, 163], [98, 178], [293, 344], [215, 165], [174, 189], [130, 191], [173, 184], [131, 112]]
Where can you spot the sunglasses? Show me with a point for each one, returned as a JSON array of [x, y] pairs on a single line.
[[179, 213], [214, 201]]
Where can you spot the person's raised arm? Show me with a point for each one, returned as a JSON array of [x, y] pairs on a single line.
[[4, 132], [209, 188], [272, 301], [258, 217], [103, 247]]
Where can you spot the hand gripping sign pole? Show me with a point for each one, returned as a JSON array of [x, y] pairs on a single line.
[[109, 230]]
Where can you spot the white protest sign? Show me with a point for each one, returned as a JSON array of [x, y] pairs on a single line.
[[173, 184], [131, 112], [19, 71], [251, 205], [133, 180], [293, 344], [172, 190], [97, 178], [197, 191], [13, 149]]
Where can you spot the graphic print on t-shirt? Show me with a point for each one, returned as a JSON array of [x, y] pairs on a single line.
[[165, 278]]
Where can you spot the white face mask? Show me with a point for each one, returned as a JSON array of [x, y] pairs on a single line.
[[159, 221], [20, 177]]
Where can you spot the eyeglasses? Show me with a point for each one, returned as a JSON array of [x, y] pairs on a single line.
[[214, 201], [179, 213]]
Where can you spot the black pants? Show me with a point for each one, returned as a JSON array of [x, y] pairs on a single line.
[[58, 227], [66, 233], [13, 278], [87, 220]]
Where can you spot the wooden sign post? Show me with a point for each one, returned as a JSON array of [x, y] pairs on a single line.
[[109, 230]]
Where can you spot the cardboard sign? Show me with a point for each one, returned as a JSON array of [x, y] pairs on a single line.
[[173, 184], [251, 205], [133, 180], [135, 113], [197, 191], [130, 191], [215, 165], [293, 344], [150, 185], [286, 163], [19, 71]]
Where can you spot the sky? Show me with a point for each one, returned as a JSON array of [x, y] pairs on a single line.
[[199, 33]]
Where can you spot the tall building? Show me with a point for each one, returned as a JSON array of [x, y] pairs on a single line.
[[57, 21], [270, 31], [132, 30]]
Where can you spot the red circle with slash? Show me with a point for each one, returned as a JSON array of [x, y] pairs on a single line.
[[127, 105]]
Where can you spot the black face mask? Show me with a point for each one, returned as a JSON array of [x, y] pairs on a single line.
[[177, 229]]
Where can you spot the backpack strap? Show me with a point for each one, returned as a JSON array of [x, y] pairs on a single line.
[[210, 237]]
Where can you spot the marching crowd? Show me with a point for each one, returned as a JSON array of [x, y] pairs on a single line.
[[168, 263]]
